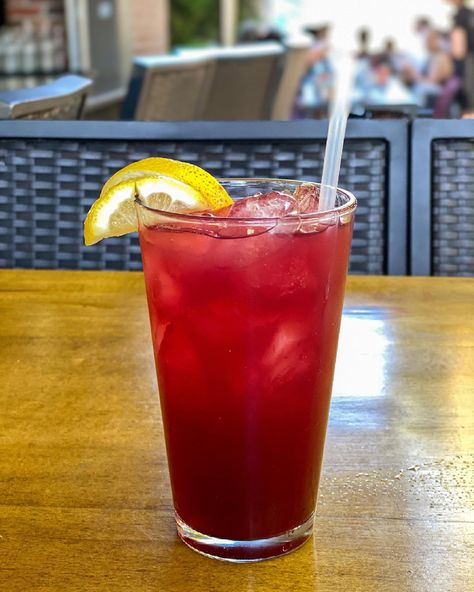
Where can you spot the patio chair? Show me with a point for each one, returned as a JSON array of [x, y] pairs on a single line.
[[245, 81], [442, 198], [168, 88], [53, 171], [293, 69], [63, 98]]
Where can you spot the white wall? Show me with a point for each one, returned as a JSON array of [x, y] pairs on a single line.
[[385, 18]]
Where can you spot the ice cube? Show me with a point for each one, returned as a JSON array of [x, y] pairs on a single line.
[[307, 198], [289, 354], [166, 292], [274, 204], [307, 202], [264, 208]]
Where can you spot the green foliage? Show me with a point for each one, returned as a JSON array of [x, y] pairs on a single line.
[[194, 22], [248, 9]]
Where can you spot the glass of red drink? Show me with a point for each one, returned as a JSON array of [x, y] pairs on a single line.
[[245, 307]]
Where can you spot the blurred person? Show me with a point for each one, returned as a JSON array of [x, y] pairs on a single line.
[[381, 69], [396, 59], [363, 41], [446, 40], [462, 49], [320, 46], [375, 73], [440, 65], [423, 28], [317, 83], [380, 86], [364, 74], [439, 69]]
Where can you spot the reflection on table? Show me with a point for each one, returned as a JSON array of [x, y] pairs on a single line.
[[85, 496]]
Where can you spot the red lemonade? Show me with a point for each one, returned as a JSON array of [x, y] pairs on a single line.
[[245, 318]]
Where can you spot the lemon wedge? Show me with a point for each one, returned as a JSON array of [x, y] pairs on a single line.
[[162, 183]]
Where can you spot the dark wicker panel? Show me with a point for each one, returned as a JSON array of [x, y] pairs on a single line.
[[47, 187], [453, 207]]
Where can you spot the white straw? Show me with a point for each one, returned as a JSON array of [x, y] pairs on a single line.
[[340, 107]]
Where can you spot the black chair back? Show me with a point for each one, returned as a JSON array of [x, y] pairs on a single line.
[[52, 172], [442, 198]]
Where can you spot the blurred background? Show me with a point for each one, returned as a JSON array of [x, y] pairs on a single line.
[[242, 59]]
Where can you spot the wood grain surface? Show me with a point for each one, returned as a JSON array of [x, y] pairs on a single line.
[[84, 493]]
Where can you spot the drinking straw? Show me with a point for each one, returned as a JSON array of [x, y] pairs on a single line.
[[339, 109]]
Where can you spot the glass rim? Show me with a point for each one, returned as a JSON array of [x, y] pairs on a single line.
[[339, 211]]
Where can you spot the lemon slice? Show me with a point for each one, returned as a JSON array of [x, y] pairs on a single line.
[[161, 183]]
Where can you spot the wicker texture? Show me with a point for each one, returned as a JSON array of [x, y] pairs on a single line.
[[453, 207], [242, 89], [173, 94], [47, 187], [69, 108]]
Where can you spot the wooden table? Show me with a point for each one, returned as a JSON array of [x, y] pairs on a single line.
[[84, 492]]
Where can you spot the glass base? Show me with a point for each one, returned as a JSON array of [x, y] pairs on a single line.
[[245, 551]]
